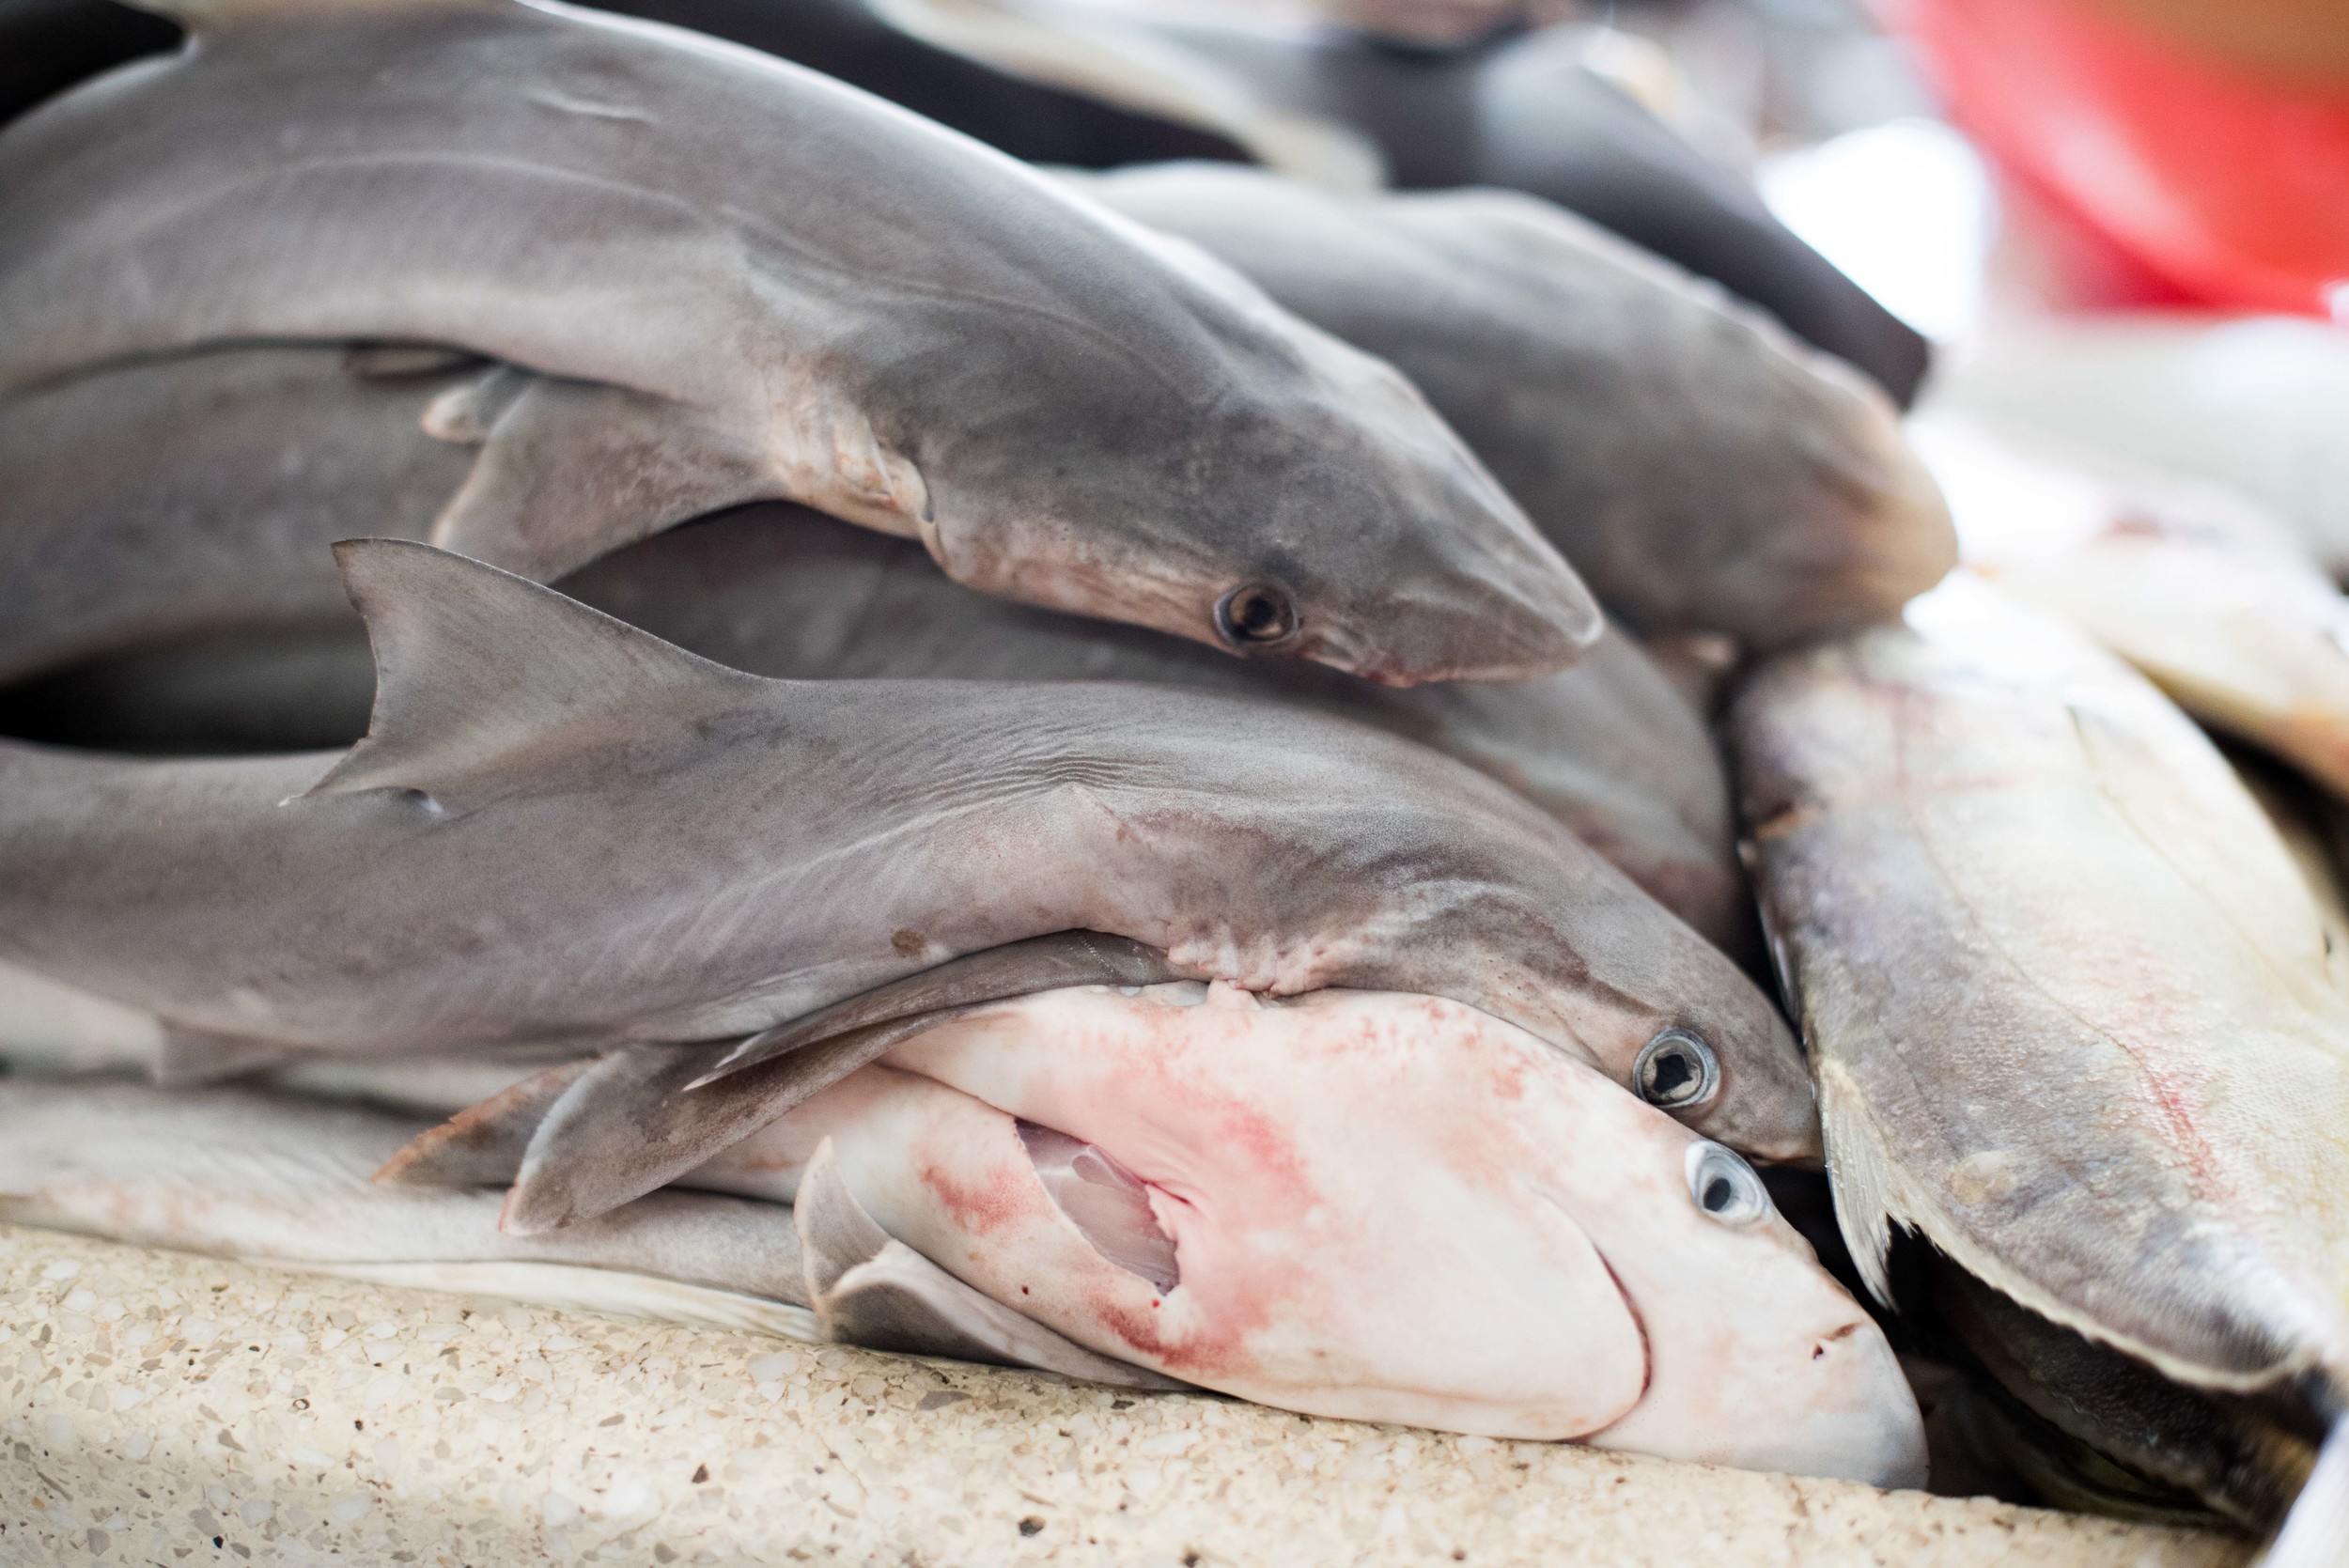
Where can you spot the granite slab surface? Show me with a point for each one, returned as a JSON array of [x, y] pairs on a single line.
[[162, 1409]]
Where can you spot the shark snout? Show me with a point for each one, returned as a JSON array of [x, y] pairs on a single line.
[[1497, 608]]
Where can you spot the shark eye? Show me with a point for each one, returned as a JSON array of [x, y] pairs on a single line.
[[1677, 1071], [1256, 615], [1725, 1185]]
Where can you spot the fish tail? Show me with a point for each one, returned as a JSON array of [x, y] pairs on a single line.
[[2316, 1532]]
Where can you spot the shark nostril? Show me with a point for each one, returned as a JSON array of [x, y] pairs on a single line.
[[1106, 1202]]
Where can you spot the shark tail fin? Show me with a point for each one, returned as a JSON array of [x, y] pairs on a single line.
[[2316, 1531]]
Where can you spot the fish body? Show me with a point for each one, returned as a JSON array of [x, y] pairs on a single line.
[[1308, 1203], [1519, 109], [561, 828], [284, 1178], [732, 279], [1702, 468], [2066, 992], [199, 494], [2209, 595], [1333, 1218], [189, 601]]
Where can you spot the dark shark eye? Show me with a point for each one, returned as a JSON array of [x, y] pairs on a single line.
[[1256, 615], [1725, 1185], [1677, 1071]]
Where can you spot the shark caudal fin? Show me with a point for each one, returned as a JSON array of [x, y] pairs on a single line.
[[479, 672], [2316, 1531]]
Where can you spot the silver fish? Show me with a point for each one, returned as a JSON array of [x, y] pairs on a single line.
[[561, 829], [737, 280], [2070, 1006], [196, 590], [1701, 468]]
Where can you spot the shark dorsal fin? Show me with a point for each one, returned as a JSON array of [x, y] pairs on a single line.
[[479, 672]]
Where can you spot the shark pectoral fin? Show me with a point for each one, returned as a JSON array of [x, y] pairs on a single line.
[[483, 1144], [626, 1126], [1019, 969], [476, 668], [569, 471], [871, 1290], [189, 1057], [835, 1233]]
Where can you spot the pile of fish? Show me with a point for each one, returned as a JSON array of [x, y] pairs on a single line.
[[639, 678]]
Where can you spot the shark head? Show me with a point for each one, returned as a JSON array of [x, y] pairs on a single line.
[[1362, 1205], [1221, 470]]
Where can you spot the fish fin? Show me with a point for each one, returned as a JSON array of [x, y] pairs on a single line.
[[1047, 963], [869, 1289], [483, 1144], [835, 1231], [191, 1057], [570, 470], [2316, 1531], [1875, 1194], [476, 667], [576, 1287], [626, 1127]]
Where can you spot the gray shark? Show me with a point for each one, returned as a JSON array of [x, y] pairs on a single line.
[[735, 280], [1701, 468], [561, 833], [193, 593]]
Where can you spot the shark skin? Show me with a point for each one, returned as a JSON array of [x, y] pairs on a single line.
[[1056, 1182], [561, 829], [1701, 467], [1608, 748], [215, 545], [200, 494], [733, 279], [1374, 1206]]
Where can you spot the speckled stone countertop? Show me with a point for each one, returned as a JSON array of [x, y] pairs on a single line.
[[167, 1409]]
